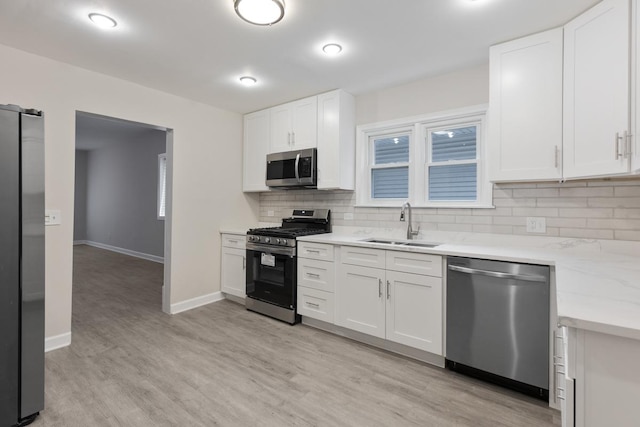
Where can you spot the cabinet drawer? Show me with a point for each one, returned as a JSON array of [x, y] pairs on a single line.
[[234, 241], [362, 256], [321, 251], [412, 262], [316, 274], [315, 304]]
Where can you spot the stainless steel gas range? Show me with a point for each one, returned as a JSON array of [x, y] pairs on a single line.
[[272, 263]]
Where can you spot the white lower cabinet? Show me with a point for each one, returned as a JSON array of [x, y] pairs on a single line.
[[316, 281], [233, 265], [414, 310], [359, 299], [389, 303]]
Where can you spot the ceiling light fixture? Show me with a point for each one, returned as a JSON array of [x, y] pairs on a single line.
[[332, 49], [102, 21], [260, 12], [248, 80]]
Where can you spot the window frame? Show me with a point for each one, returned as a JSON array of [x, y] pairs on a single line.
[[420, 157], [162, 186]]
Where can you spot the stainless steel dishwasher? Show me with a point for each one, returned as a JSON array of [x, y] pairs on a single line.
[[498, 322]]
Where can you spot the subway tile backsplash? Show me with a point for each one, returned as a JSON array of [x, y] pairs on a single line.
[[602, 209]]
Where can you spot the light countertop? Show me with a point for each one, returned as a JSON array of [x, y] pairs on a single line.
[[597, 281]]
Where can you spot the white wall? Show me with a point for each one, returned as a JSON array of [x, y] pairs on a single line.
[[448, 91], [207, 169]]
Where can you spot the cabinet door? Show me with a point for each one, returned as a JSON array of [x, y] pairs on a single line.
[[256, 146], [233, 280], [596, 91], [359, 299], [281, 137], [414, 310], [336, 141], [304, 128], [525, 120]]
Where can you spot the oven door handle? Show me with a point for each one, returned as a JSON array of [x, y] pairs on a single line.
[[288, 251], [297, 167]]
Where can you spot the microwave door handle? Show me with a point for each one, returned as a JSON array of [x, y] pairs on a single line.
[[297, 167]]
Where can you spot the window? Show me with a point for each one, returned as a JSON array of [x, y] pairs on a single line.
[[431, 161], [452, 165], [162, 185], [390, 166]]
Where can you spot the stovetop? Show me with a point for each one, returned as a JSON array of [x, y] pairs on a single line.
[[285, 232]]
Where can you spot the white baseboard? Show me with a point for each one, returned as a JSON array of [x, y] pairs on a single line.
[[79, 242], [129, 252], [56, 342], [189, 304]]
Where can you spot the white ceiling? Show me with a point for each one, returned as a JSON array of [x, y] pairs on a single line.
[[198, 48]]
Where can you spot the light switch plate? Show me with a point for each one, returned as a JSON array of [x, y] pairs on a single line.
[[52, 217], [536, 224]]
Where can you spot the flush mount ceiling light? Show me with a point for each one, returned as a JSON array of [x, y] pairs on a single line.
[[332, 49], [248, 80], [260, 12], [102, 21]]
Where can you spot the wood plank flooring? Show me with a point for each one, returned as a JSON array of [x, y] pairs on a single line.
[[129, 364]]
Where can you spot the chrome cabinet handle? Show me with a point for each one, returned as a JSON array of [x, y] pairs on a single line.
[[313, 304], [289, 138], [313, 275], [313, 251], [498, 274], [627, 151], [388, 289], [297, 167], [244, 263], [293, 138], [379, 288], [618, 138]]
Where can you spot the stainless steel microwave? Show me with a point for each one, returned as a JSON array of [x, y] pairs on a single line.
[[292, 169]]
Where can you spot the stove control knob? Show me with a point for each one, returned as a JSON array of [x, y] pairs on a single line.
[[267, 240], [284, 242], [277, 241]]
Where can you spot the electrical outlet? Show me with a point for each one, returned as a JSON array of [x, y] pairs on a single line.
[[270, 213], [348, 216], [536, 224]]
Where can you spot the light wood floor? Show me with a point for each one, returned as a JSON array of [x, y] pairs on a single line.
[[220, 365]]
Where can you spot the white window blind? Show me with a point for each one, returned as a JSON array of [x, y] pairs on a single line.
[[453, 166], [162, 185], [390, 168]]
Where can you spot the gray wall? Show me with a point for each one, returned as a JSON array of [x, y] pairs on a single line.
[[121, 193], [80, 197]]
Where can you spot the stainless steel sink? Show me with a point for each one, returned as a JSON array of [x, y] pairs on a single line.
[[401, 243]]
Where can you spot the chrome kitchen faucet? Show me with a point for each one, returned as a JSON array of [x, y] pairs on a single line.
[[410, 232]]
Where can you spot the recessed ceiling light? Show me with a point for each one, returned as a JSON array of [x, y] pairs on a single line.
[[332, 49], [102, 21], [260, 12], [248, 80]]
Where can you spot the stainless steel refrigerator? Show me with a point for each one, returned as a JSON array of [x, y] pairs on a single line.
[[21, 265]]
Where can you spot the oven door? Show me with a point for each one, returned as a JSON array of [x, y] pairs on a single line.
[[292, 169], [271, 275]]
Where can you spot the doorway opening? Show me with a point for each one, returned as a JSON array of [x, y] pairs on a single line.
[[122, 212]]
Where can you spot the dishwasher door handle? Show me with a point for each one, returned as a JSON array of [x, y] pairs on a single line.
[[498, 274]]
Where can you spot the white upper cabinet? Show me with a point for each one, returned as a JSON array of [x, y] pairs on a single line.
[[597, 91], [525, 116], [336, 141], [294, 126], [255, 148]]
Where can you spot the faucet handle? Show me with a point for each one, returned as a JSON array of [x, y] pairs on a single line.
[[416, 231], [402, 215]]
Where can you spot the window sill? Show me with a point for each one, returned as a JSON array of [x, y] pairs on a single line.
[[425, 206]]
